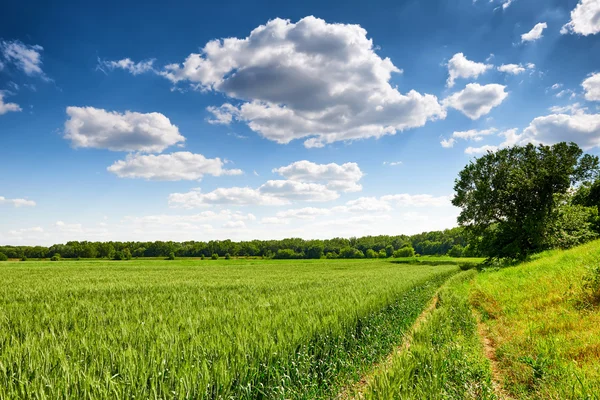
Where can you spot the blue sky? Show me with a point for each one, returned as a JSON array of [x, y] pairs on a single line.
[[139, 122]]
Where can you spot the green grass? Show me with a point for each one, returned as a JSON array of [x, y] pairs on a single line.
[[202, 329], [438, 260], [444, 358], [546, 335]]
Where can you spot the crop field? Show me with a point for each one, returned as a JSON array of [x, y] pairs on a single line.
[[202, 329]]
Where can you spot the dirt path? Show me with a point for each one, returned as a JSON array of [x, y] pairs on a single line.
[[355, 390], [490, 352]]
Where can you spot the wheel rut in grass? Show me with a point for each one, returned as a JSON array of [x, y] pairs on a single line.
[[355, 390], [490, 352]]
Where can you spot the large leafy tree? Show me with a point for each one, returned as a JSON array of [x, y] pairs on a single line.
[[509, 197]]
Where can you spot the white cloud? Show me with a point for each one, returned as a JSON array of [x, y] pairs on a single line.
[[585, 19], [129, 131], [460, 67], [68, 228], [557, 86], [535, 33], [506, 4], [514, 69], [343, 177], [480, 150], [571, 109], [591, 85], [26, 231], [476, 100], [128, 65], [309, 79], [392, 163], [25, 57], [170, 167], [474, 134], [565, 92], [7, 107], [294, 190], [417, 200], [17, 202], [448, 143], [303, 213], [274, 221], [365, 204], [232, 196], [271, 193], [234, 225], [581, 128]]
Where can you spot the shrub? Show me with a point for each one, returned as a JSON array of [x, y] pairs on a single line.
[[382, 253], [227, 256], [24, 258], [126, 254], [202, 257], [215, 256], [351, 252], [171, 256], [370, 253], [3, 257], [55, 257], [405, 252], [287, 254], [331, 255], [119, 256]]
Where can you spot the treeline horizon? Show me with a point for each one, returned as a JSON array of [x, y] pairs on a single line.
[[447, 242]]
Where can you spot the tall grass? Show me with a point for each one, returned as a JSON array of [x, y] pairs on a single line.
[[190, 329], [444, 358], [545, 331]]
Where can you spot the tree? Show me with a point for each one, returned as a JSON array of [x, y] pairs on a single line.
[[3, 257], [172, 256], [456, 251], [370, 253], [509, 197], [55, 257], [405, 252], [382, 254], [215, 256]]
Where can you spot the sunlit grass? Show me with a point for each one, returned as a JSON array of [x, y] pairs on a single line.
[[202, 329], [547, 339]]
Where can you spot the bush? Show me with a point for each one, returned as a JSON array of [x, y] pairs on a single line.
[[331, 255], [404, 252], [227, 256], [370, 253], [171, 256], [24, 258], [3, 257], [382, 253], [287, 254], [202, 257], [55, 257], [351, 252], [119, 256], [215, 256]]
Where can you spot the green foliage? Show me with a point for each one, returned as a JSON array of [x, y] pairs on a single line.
[[591, 284], [351, 252], [571, 225], [171, 256], [404, 252], [227, 256], [509, 197], [24, 258], [176, 329], [371, 253], [382, 254], [456, 251], [215, 256], [3, 257], [287, 254], [55, 257]]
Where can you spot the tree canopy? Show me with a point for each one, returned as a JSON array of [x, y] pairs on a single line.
[[509, 198]]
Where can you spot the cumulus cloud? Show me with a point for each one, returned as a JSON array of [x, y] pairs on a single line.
[[535, 33], [170, 167], [585, 19], [480, 150], [515, 69], [343, 177], [309, 79], [581, 128], [25, 57], [365, 204], [293, 190], [128, 65], [591, 85], [129, 131], [303, 213], [7, 107], [234, 225], [448, 143], [26, 231], [476, 100], [460, 67], [571, 109], [17, 202]]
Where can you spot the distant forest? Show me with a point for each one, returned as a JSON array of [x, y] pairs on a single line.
[[451, 241]]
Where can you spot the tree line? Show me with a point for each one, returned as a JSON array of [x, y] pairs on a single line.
[[450, 241]]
